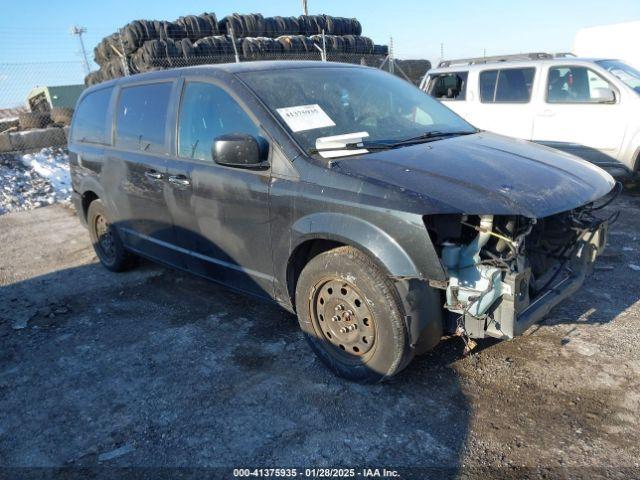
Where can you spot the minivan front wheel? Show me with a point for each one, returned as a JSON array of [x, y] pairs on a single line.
[[351, 316], [105, 239]]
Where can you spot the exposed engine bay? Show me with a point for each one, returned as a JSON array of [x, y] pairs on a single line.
[[506, 272]]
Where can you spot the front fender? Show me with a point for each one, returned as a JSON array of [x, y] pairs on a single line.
[[358, 233], [422, 305]]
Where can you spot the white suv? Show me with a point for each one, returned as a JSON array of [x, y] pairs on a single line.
[[588, 107]]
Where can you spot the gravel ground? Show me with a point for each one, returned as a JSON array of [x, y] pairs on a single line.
[[156, 368]]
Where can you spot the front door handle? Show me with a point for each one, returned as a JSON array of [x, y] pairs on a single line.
[[547, 113], [153, 175], [179, 180]]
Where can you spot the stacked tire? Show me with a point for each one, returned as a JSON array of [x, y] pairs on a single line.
[[145, 45], [61, 115], [30, 120]]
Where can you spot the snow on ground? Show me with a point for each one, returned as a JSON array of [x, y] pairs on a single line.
[[35, 179], [52, 165]]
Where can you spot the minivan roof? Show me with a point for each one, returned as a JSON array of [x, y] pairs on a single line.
[[232, 68]]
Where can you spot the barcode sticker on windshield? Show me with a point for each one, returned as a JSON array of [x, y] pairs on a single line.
[[305, 117]]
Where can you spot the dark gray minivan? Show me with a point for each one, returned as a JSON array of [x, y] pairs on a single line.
[[343, 193]]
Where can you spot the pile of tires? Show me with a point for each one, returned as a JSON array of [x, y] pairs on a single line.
[[255, 25], [199, 26], [315, 24], [296, 44], [162, 53], [219, 46], [258, 48], [414, 69], [29, 120], [345, 44], [145, 45], [114, 68], [135, 34], [61, 115]]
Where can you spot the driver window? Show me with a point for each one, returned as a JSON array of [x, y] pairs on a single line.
[[575, 85], [206, 112]]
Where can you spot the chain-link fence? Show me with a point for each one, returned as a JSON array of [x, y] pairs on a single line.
[[37, 99], [36, 105]]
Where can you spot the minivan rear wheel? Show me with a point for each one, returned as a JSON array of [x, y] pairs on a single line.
[[351, 316], [106, 241]]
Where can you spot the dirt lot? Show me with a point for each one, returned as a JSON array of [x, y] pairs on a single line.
[[155, 368]]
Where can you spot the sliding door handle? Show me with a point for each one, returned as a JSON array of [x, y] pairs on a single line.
[[179, 180], [153, 175]]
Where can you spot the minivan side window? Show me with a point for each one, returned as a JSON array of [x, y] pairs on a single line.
[[449, 86], [575, 85], [206, 112], [507, 85], [142, 116], [90, 118]]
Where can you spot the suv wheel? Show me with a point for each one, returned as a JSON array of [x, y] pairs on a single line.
[[351, 316], [105, 239]]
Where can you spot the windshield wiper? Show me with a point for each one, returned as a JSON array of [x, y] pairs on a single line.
[[390, 144]]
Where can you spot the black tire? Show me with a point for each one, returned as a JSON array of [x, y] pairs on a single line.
[[105, 240], [342, 288], [29, 120]]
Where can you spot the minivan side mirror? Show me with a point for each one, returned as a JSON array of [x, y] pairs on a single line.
[[603, 95], [238, 150]]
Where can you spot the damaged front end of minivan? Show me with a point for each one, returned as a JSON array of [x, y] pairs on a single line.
[[506, 272]]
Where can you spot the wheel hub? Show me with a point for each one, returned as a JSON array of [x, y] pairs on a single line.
[[342, 316]]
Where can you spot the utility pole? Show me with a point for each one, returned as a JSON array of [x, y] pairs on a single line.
[[75, 30], [305, 8]]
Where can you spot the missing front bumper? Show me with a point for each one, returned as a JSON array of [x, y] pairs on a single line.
[[514, 312]]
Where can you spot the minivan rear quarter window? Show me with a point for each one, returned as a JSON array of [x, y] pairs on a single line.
[[449, 86], [508, 85], [142, 117], [90, 119]]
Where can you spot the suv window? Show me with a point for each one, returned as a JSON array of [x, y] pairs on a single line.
[[507, 85], [574, 85], [449, 86], [142, 116], [206, 112], [90, 118]]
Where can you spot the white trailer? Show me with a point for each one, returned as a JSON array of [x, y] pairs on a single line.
[[619, 40]]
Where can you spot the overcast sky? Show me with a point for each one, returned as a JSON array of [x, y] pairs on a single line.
[[38, 30]]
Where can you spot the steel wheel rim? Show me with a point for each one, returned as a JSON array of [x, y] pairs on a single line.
[[343, 320], [105, 240]]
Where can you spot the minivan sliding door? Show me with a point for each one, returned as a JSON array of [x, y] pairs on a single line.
[[139, 167]]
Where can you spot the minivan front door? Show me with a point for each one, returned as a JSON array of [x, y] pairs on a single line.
[[220, 213], [576, 116]]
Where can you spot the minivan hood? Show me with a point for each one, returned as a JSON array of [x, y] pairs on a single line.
[[483, 173]]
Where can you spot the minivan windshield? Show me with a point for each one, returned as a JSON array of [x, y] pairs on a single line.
[[325, 102], [624, 72]]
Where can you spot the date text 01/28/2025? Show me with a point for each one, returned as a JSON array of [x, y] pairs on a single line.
[[316, 472]]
